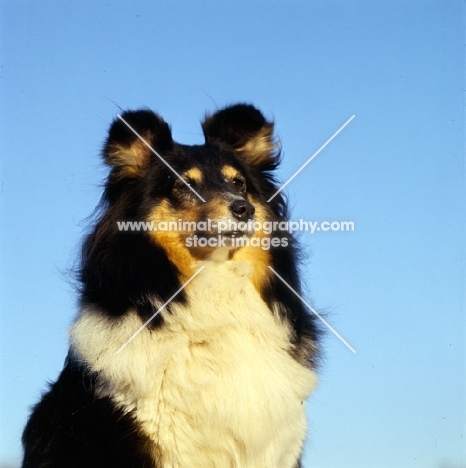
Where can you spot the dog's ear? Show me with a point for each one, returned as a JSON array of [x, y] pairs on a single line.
[[245, 130], [130, 153]]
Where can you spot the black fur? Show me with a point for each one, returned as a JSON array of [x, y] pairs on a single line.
[[54, 436]]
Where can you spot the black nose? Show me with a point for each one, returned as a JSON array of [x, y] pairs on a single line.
[[242, 209]]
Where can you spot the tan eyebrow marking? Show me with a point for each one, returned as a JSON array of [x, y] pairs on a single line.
[[229, 172], [193, 174]]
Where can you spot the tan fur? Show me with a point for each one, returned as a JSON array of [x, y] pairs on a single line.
[[260, 147], [173, 241], [229, 172], [215, 386], [260, 258], [193, 174], [130, 160]]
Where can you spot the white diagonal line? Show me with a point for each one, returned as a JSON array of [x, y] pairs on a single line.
[[158, 155], [315, 313], [311, 158], [160, 309]]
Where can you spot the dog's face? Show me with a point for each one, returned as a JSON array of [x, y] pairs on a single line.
[[196, 199], [211, 202]]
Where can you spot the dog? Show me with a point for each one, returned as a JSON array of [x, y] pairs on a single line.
[[191, 348]]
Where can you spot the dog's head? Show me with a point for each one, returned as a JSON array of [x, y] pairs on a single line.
[[194, 199]]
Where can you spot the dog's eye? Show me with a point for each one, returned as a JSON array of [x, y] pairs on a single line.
[[180, 185], [240, 184]]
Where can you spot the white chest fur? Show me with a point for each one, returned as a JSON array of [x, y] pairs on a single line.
[[215, 386]]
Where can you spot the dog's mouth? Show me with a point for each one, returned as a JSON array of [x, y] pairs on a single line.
[[226, 236], [214, 239], [236, 234], [221, 233], [226, 229], [232, 239]]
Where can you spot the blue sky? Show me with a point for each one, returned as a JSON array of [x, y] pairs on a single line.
[[393, 288]]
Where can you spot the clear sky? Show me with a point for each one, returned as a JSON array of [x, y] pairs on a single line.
[[393, 288]]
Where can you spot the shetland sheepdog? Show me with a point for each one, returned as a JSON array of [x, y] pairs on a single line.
[[190, 349]]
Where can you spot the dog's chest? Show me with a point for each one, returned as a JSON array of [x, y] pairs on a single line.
[[215, 386]]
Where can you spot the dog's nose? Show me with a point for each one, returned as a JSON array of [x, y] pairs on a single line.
[[242, 209]]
